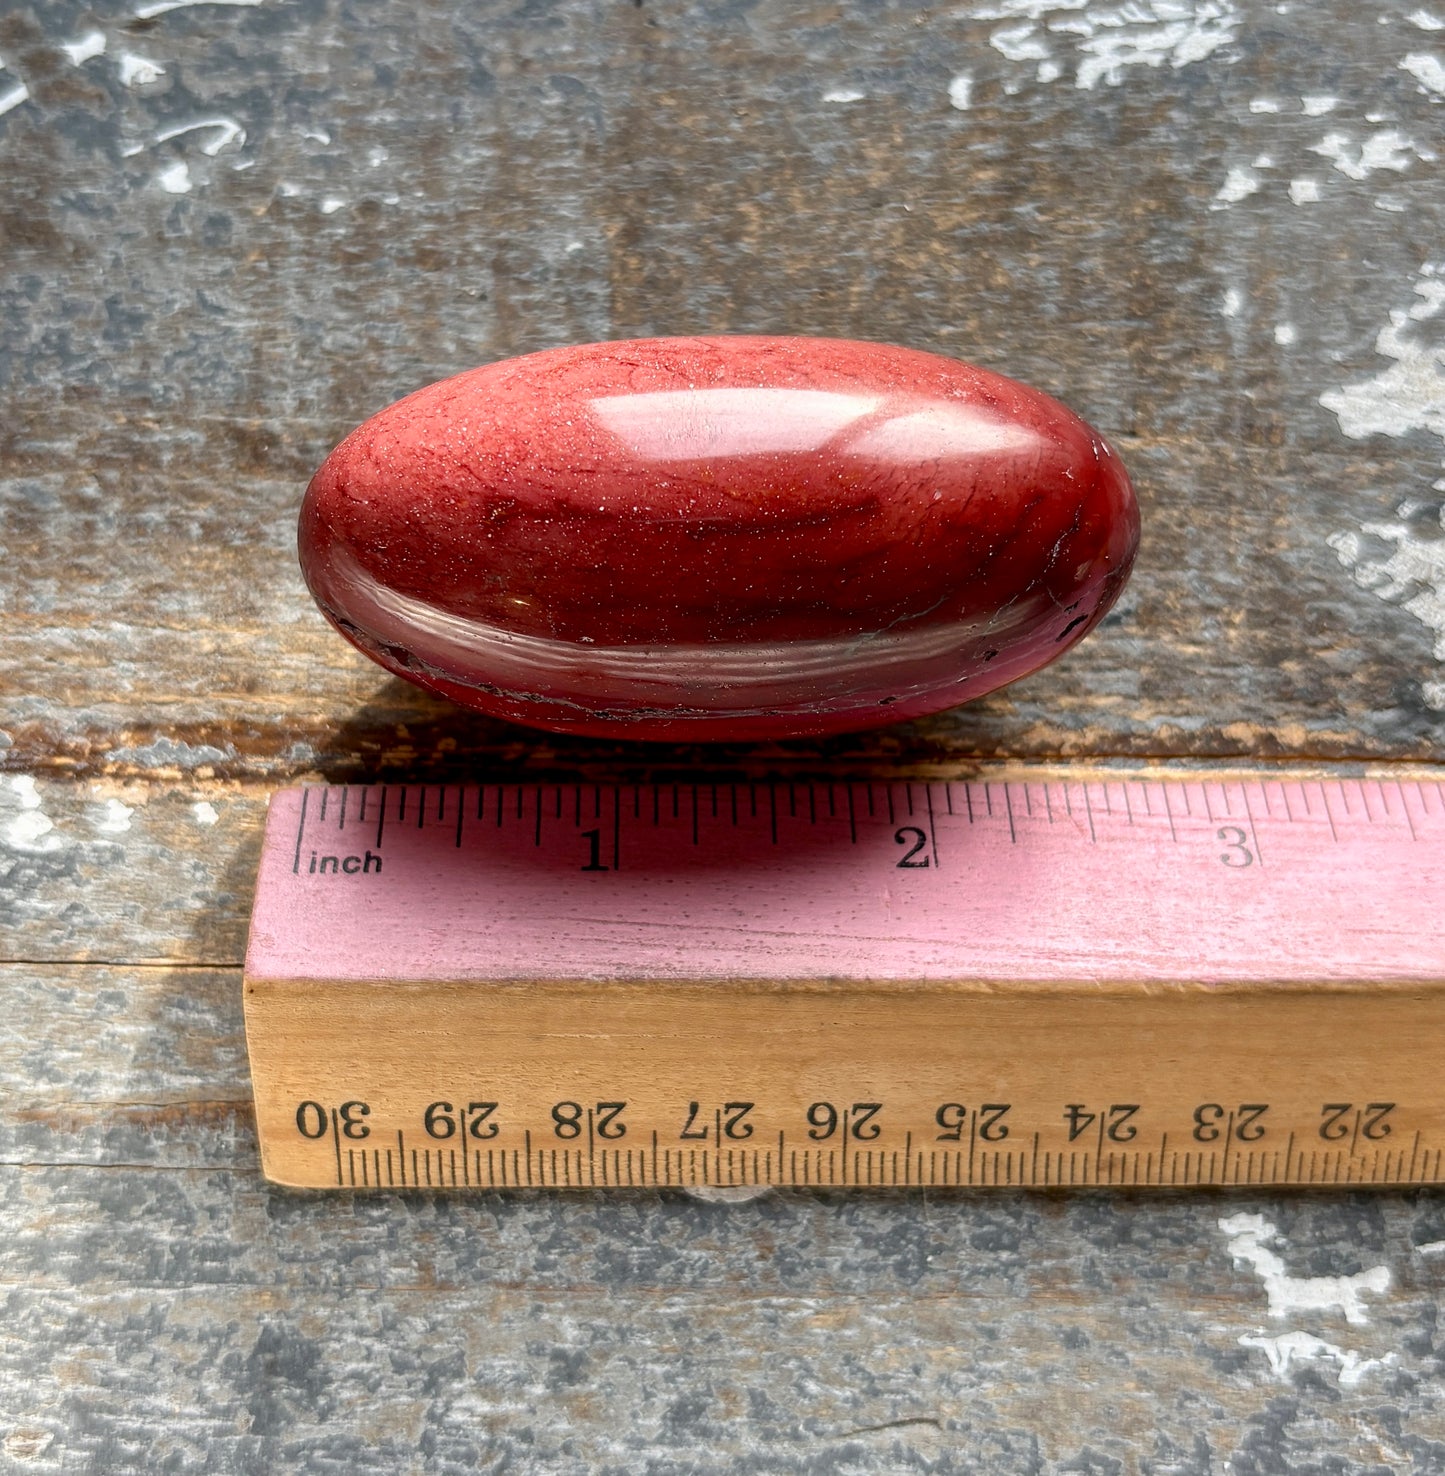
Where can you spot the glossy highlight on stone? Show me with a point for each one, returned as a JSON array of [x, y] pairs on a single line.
[[718, 538]]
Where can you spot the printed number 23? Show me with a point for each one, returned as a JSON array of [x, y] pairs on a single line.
[[1238, 855]]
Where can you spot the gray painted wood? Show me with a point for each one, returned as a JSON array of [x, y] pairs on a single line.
[[422, 188]]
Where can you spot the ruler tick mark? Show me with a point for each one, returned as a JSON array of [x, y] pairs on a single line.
[[1325, 800], [300, 831], [1253, 833], [1406, 808]]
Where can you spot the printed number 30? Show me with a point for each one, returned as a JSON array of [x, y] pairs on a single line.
[[1238, 855]]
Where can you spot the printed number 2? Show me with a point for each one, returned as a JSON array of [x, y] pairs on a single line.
[[1238, 855], [920, 839]]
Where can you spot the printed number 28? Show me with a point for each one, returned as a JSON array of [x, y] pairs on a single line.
[[1238, 854]]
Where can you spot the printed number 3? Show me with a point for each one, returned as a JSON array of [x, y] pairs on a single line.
[[1238, 854]]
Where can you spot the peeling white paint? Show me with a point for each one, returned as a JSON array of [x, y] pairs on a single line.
[[1410, 395], [1392, 203], [163, 7], [843, 95], [169, 753], [204, 812], [1317, 104], [1239, 184], [12, 99], [1264, 105], [84, 47], [1103, 41], [331, 204], [1020, 43], [1403, 567], [1232, 302], [376, 156], [1286, 334], [32, 829], [227, 130], [1427, 69], [1251, 1240], [1286, 1348], [1387, 149], [114, 817], [1431, 1248], [138, 71], [1305, 190], [960, 92], [317, 135], [1425, 21], [175, 179]]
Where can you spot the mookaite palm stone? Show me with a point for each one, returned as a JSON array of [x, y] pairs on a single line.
[[718, 538]]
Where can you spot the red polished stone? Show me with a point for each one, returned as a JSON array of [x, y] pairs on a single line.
[[718, 538]]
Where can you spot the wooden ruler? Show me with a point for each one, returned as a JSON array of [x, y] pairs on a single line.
[[983, 982]]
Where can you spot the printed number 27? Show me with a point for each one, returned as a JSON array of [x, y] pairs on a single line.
[[1238, 854]]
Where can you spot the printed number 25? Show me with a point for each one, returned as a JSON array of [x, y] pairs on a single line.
[[1238, 854]]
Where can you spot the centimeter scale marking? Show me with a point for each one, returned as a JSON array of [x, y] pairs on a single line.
[[991, 982]]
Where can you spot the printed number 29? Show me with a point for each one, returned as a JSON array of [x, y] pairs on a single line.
[[1238, 854]]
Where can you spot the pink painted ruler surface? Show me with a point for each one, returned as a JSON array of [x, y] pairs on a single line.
[[1227, 881]]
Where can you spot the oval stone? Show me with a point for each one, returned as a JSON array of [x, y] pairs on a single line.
[[718, 538]]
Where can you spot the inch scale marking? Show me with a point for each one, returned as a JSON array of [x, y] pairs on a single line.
[[993, 982]]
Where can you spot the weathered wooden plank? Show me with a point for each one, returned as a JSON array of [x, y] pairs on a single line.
[[247, 1331], [582, 170], [114, 1067], [126, 872], [150, 529]]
